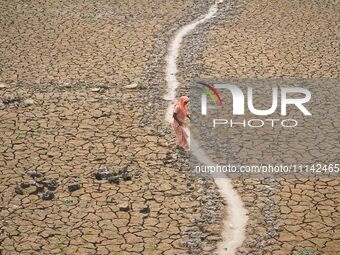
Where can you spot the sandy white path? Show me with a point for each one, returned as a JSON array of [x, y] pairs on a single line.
[[236, 219]]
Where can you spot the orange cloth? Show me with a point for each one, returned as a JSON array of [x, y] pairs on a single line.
[[181, 111]]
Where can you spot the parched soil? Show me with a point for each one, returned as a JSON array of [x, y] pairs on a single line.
[[66, 114], [284, 39]]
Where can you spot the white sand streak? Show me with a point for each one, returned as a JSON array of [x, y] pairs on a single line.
[[173, 52], [236, 218]]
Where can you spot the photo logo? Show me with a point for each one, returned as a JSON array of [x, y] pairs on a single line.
[[212, 92], [239, 99], [264, 127]]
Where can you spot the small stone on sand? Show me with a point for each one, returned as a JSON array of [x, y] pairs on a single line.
[[19, 191], [24, 185], [131, 86], [49, 195], [28, 102], [124, 207], [73, 187], [113, 179], [3, 85], [95, 89]]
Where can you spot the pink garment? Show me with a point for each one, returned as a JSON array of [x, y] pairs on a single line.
[[181, 111]]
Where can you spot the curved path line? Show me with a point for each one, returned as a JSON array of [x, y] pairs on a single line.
[[173, 52], [235, 221]]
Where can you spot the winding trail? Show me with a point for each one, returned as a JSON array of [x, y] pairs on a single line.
[[235, 221]]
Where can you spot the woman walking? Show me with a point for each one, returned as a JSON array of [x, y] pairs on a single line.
[[179, 116]]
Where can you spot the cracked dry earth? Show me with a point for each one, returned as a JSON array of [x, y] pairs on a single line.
[[66, 113], [282, 39]]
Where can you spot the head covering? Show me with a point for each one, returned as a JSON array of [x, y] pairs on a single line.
[[182, 104]]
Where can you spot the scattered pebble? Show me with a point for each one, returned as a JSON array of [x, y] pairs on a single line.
[[66, 85], [39, 187], [126, 177], [11, 99], [95, 89], [73, 187], [51, 185], [29, 102], [113, 179], [131, 86], [48, 195], [35, 174], [124, 207], [3, 85], [24, 185], [19, 191], [102, 174], [145, 210]]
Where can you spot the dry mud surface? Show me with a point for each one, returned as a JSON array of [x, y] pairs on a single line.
[[66, 113], [281, 39]]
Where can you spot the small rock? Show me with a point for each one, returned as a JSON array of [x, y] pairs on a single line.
[[102, 174], [73, 187], [48, 195], [24, 185], [124, 207], [39, 180], [124, 170], [95, 89], [98, 175], [29, 102], [3, 85], [11, 99], [145, 210], [51, 185], [113, 179], [39, 187], [35, 175], [19, 191], [66, 85], [126, 177], [131, 86]]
